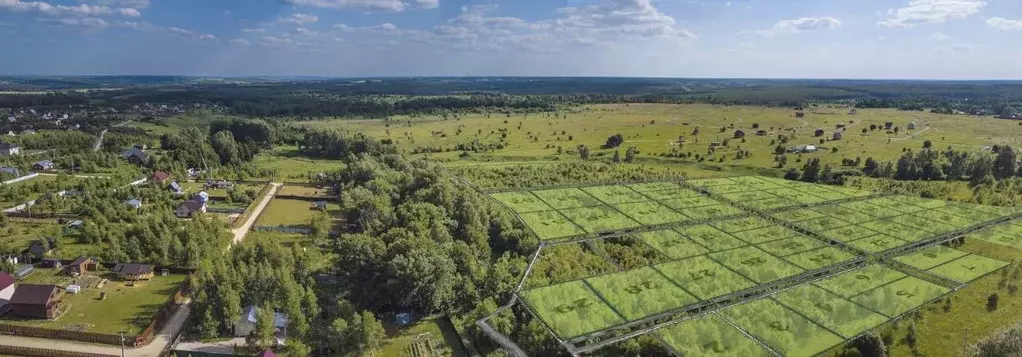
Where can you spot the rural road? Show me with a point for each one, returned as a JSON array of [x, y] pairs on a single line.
[[99, 141], [240, 232]]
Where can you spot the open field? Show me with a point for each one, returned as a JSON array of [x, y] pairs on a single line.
[[709, 336], [129, 308], [290, 166], [899, 296], [703, 277], [290, 213], [571, 309], [640, 292], [784, 330], [830, 310], [756, 264]]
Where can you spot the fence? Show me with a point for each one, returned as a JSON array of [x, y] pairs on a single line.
[[19, 179], [41, 215], [161, 318], [42, 352], [229, 210], [282, 229], [248, 211], [91, 337]]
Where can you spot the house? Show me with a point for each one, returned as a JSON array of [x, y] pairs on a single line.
[[247, 322], [761, 133], [912, 126], [159, 177], [201, 197], [9, 149], [134, 203], [219, 184], [76, 224], [174, 187], [8, 171], [36, 250], [37, 301], [134, 272], [836, 136], [800, 114], [80, 266], [6, 289], [141, 146], [818, 132], [135, 156], [804, 149], [739, 134], [44, 165], [189, 208]]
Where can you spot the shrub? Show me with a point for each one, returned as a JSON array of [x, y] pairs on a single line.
[[992, 302]]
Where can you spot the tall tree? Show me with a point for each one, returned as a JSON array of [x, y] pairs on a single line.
[[811, 171], [1005, 163]]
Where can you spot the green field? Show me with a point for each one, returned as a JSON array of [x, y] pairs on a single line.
[[953, 220], [890, 227], [791, 245], [640, 292], [712, 238], [860, 280], [290, 213], [968, 268], [703, 277], [770, 203], [822, 224], [930, 257], [571, 309], [692, 201], [748, 196], [709, 336], [900, 296], [672, 244], [741, 224], [784, 330], [671, 194], [917, 221], [756, 264], [848, 233], [819, 258], [797, 196], [798, 215], [844, 214], [649, 187], [615, 194], [650, 213], [566, 198], [830, 310], [599, 219], [893, 204], [521, 202], [877, 243], [764, 234], [550, 225], [1003, 234], [290, 165]]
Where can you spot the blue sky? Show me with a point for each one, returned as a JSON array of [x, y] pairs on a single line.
[[926, 39]]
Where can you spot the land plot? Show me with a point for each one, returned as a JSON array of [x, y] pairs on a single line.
[[711, 237], [711, 182], [551, 225], [522, 201], [889, 227], [672, 244], [900, 296], [770, 203], [672, 194], [756, 181], [1003, 234], [930, 257], [615, 194], [640, 292], [690, 202], [916, 221], [822, 224], [830, 310], [707, 212], [709, 336], [858, 281], [849, 191], [870, 209], [756, 264], [848, 233], [748, 196], [845, 214], [897, 205], [819, 258], [797, 196], [799, 215], [732, 188], [302, 191], [877, 243], [741, 224], [566, 198], [955, 221], [650, 213], [999, 211], [289, 213], [571, 309], [764, 234], [704, 278], [922, 202], [654, 186], [968, 268], [822, 192], [780, 181], [791, 245], [784, 330], [599, 219], [968, 211]]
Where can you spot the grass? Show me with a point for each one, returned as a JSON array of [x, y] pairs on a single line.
[[1004, 234], [712, 238], [571, 309], [848, 233], [823, 224], [968, 268], [129, 308], [599, 219], [689, 202], [819, 258], [640, 292], [671, 194], [435, 332], [832, 311], [550, 225], [192, 188], [290, 213], [798, 215], [741, 224], [615, 194], [521, 201], [18, 235], [877, 243], [304, 191], [930, 257], [650, 187], [756, 264], [791, 245], [292, 166], [704, 278], [709, 336], [900, 296], [890, 227], [845, 214], [770, 203], [707, 212], [285, 239], [672, 244], [860, 280], [781, 328], [765, 234], [650, 213], [566, 198]]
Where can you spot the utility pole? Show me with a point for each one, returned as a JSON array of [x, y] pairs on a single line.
[[122, 342]]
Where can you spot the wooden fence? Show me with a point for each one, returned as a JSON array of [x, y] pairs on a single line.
[[41, 352], [161, 318]]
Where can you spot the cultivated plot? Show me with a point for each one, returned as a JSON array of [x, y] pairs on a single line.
[[968, 268], [757, 182], [968, 211], [924, 224], [889, 226], [892, 204], [784, 330], [858, 281], [571, 309], [599, 219], [797, 196], [711, 237], [756, 264], [748, 196], [822, 192], [672, 244], [711, 182], [822, 224], [769, 203], [729, 188], [830, 310], [900, 296], [922, 202], [650, 213], [819, 258], [640, 292], [930, 257], [614, 194], [566, 198], [870, 209], [550, 225], [792, 245], [848, 233], [953, 220], [709, 336], [764, 234], [704, 278], [521, 201], [845, 214]]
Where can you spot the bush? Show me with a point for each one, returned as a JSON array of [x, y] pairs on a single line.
[[992, 302]]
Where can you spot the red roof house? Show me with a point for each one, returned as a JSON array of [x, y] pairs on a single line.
[[159, 177]]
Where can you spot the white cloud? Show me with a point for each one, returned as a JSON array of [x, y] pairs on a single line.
[[84, 10], [253, 30], [803, 24], [134, 4], [919, 12], [369, 5], [958, 47], [241, 41], [939, 37], [1001, 23], [299, 19], [88, 22], [618, 17]]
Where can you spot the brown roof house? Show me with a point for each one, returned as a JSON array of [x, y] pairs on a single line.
[[159, 177], [80, 266], [134, 272], [37, 301]]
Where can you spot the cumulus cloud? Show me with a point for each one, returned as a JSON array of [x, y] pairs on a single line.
[[369, 5], [628, 17], [240, 41], [87, 22], [253, 30], [802, 24], [134, 4], [299, 19], [920, 12], [84, 10], [1001, 23]]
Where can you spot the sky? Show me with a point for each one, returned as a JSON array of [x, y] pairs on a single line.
[[880, 39]]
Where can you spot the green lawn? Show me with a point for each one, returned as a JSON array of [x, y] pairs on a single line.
[[434, 335], [709, 336], [18, 235], [551, 225], [672, 244], [638, 293], [968, 268], [712, 238], [129, 308], [566, 198], [930, 257], [819, 258], [791, 245], [292, 166], [290, 213], [615, 194], [650, 213], [784, 330], [764, 234], [599, 219], [521, 201], [571, 309], [832, 311], [860, 280], [703, 277], [899, 296], [756, 264]]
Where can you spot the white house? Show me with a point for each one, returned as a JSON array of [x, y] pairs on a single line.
[[247, 322], [6, 288], [9, 149]]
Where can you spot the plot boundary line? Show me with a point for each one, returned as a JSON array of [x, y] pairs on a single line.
[[849, 298], [800, 314]]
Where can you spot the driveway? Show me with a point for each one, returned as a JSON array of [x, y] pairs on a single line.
[[240, 232]]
